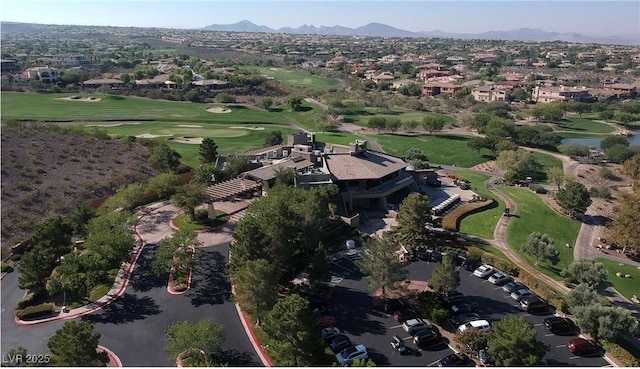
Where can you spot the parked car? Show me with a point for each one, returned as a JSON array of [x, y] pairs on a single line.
[[413, 325], [340, 343], [328, 334], [327, 321], [405, 314], [512, 286], [391, 305], [560, 326], [519, 294], [436, 256], [454, 360], [458, 309], [533, 304], [422, 253], [471, 263], [453, 297], [350, 354], [427, 338], [485, 358], [500, 278], [581, 346], [484, 271], [465, 318], [481, 325]]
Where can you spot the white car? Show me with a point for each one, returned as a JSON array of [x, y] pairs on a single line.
[[413, 325], [484, 271], [481, 325], [350, 354]]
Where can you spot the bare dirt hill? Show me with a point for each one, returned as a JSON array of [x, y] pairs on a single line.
[[47, 170]]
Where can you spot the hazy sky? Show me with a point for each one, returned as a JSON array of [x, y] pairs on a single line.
[[610, 17]]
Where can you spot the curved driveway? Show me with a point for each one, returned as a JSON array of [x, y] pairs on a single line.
[[133, 325]]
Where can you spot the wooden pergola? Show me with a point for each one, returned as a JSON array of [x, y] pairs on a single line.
[[227, 190]]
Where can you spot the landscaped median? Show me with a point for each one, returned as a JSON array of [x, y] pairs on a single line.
[[180, 274]]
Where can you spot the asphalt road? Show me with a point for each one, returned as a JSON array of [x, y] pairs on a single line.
[[371, 327], [133, 325]]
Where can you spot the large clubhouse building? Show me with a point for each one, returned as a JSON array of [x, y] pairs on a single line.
[[364, 177]]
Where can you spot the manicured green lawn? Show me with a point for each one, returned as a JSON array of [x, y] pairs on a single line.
[[305, 117], [532, 215], [490, 249], [546, 161], [51, 107], [300, 78], [182, 221], [337, 138], [361, 116], [626, 286], [447, 149], [481, 224], [583, 124]]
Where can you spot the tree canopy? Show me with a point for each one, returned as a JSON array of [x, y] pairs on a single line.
[[623, 230], [188, 197], [208, 150], [415, 214], [165, 159], [542, 247], [574, 198], [380, 263], [512, 341], [445, 277], [273, 138], [291, 325], [75, 344], [589, 272], [204, 335], [432, 123], [256, 286]]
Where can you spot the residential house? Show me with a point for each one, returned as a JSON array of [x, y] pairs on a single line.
[[44, 74], [99, 82], [434, 88], [384, 76], [424, 75], [561, 93], [620, 89], [488, 93], [70, 60], [456, 60], [9, 66], [211, 84]]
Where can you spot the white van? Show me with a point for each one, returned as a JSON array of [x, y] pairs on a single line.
[[481, 325]]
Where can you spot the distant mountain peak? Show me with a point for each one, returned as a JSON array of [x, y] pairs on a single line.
[[375, 29]]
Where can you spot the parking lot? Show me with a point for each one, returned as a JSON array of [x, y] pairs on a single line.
[[353, 307]]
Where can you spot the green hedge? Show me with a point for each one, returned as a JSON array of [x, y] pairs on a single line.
[[34, 311], [5, 267], [615, 350], [451, 221], [506, 266]]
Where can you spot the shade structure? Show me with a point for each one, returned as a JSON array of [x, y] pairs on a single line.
[[231, 188]]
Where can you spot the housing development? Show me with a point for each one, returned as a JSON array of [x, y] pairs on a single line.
[[204, 197]]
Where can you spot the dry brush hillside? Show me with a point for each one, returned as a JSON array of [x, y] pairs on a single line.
[[47, 170]]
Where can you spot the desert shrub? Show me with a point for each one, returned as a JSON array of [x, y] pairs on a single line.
[[615, 350], [601, 192], [537, 188], [5, 267], [16, 257], [606, 173], [34, 311], [452, 220]]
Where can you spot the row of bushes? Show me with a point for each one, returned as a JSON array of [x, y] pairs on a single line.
[[433, 308], [626, 358], [35, 311], [451, 221]]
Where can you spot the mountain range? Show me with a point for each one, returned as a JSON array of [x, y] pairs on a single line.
[[383, 30]]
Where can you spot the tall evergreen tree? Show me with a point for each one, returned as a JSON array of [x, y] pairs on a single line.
[[380, 263], [75, 344], [208, 150]]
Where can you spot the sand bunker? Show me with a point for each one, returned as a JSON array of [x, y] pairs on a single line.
[[187, 140], [249, 128], [149, 135], [189, 125], [218, 110], [80, 98]]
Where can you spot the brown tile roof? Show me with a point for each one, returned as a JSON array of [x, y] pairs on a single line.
[[364, 165]]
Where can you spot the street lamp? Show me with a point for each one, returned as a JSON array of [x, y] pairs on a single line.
[[64, 291]]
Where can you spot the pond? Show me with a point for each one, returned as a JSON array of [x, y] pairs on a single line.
[[633, 141]]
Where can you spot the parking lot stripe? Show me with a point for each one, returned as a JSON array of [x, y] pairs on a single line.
[[434, 363], [574, 357], [561, 346], [396, 326], [536, 325], [548, 335], [407, 338]]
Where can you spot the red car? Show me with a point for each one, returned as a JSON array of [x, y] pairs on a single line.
[[403, 315], [580, 346], [327, 321]]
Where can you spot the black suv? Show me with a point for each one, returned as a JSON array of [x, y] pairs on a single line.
[[392, 305], [471, 263], [534, 304], [560, 326], [451, 298]]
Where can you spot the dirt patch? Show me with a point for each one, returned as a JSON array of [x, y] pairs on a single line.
[[187, 140], [189, 125], [489, 167], [80, 98], [218, 110], [589, 175]]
